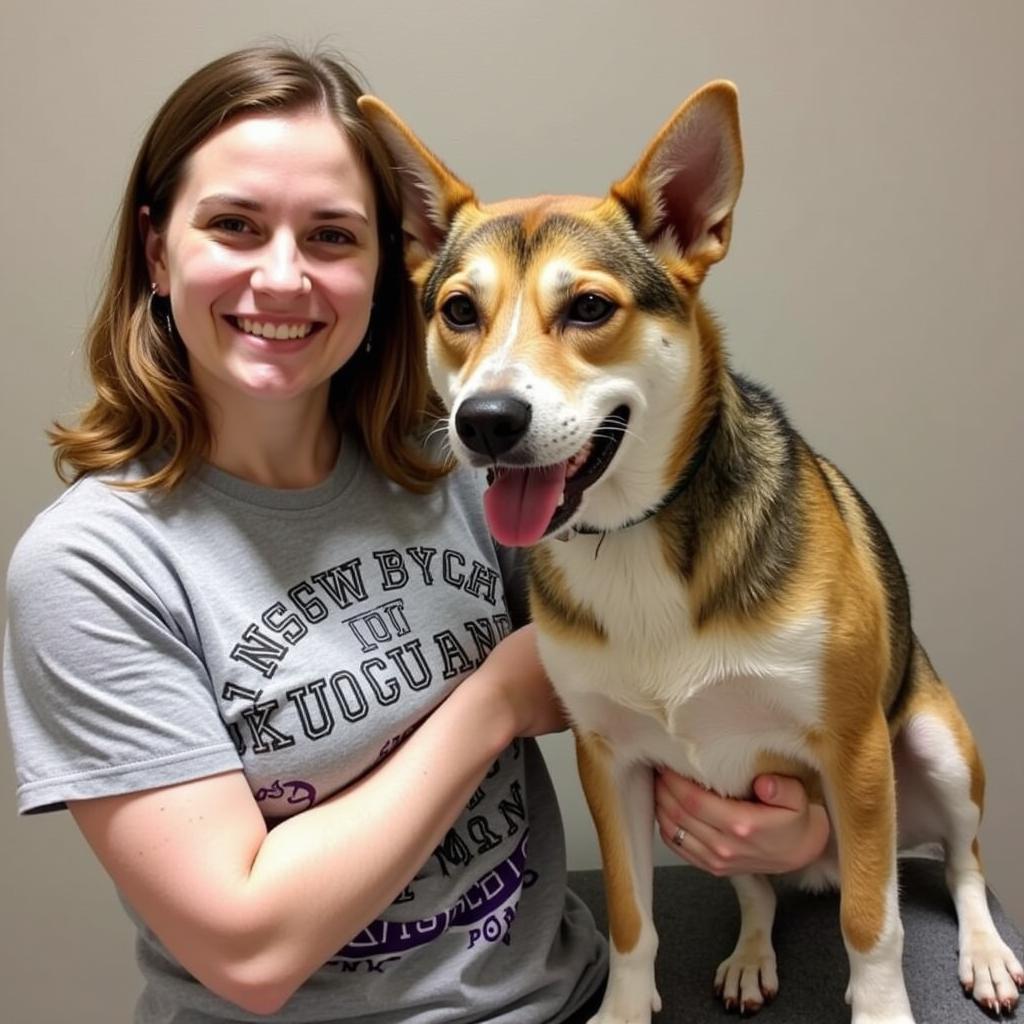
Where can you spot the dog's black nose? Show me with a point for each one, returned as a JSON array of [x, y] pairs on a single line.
[[492, 424]]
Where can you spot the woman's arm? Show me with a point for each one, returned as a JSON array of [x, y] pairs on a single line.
[[780, 831], [251, 913]]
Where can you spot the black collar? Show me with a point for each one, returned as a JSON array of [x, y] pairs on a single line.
[[686, 478]]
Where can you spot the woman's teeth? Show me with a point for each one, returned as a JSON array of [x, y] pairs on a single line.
[[278, 332]]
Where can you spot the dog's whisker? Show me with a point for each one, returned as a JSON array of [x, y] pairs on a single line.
[[624, 432], [440, 428]]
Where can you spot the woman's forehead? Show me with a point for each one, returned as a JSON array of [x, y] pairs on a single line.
[[301, 157]]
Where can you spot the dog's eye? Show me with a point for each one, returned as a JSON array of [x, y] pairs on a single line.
[[590, 309], [460, 312]]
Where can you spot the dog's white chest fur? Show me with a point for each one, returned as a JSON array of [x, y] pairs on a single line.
[[706, 703]]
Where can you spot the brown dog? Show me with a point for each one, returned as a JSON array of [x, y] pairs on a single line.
[[711, 594]]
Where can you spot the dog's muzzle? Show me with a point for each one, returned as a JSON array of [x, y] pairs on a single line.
[[528, 500]]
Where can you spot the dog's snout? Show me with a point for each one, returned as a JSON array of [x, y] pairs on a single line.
[[492, 424]]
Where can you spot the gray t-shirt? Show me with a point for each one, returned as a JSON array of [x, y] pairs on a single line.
[[298, 636]]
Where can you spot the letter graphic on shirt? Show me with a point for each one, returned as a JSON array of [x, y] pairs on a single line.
[[386, 690], [452, 850], [456, 660], [395, 611], [290, 626], [295, 794], [482, 834], [350, 696], [448, 562], [259, 651], [484, 912], [483, 582], [417, 675], [308, 603], [343, 583], [264, 736], [481, 632], [315, 724], [423, 557], [378, 625], [393, 573], [513, 808]]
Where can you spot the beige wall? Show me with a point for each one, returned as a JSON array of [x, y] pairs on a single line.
[[874, 282]]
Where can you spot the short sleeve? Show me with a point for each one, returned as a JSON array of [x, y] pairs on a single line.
[[104, 681]]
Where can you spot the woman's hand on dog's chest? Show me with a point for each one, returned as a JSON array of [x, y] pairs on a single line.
[[781, 831]]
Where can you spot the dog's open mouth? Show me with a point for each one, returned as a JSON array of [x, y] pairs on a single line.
[[523, 505]]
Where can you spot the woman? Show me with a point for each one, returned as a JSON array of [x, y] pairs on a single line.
[[261, 648]]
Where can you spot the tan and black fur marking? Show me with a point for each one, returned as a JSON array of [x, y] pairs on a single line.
[[552, 604], [740, 530], [715, 596], [520, 238]]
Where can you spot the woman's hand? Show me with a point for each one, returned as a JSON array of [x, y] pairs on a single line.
[[519, 686], [780, 831]]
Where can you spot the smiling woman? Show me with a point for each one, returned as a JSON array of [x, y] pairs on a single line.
[[269, 296], [279, 690], [265, 216]]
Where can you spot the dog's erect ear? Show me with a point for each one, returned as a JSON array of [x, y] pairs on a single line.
[[431, 194], [688, 179]]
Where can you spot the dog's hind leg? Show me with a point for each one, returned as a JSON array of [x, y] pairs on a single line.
[[941, 783], [621, 799]]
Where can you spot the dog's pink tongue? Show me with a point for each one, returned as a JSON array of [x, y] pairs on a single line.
[[520, 503]]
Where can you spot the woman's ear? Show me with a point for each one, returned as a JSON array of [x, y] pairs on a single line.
[[153, 246]]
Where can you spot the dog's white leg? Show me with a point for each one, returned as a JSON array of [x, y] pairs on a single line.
[[749, 976], [877, 991], [948, 777], [621, 799], [860, 788], [987, 967]]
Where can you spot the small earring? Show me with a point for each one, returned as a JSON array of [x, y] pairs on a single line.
[[368, 341], [166, 313]]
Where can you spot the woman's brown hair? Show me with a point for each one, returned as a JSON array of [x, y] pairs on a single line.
[[145, 401]]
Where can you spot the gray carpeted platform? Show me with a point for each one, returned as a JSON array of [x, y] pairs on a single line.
[[698, 919]]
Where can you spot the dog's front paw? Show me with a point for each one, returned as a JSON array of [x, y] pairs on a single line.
[[990, 972], [628, 1002], [637, 1016], [749, 978], [897, 1017], [879, 1001]]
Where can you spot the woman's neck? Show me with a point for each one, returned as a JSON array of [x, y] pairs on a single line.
[[281, 445]]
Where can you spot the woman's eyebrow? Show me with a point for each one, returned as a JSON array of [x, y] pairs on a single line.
[[226, 199], [329, 213]]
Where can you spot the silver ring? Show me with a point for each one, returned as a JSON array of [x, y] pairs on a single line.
[[680, 835]]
